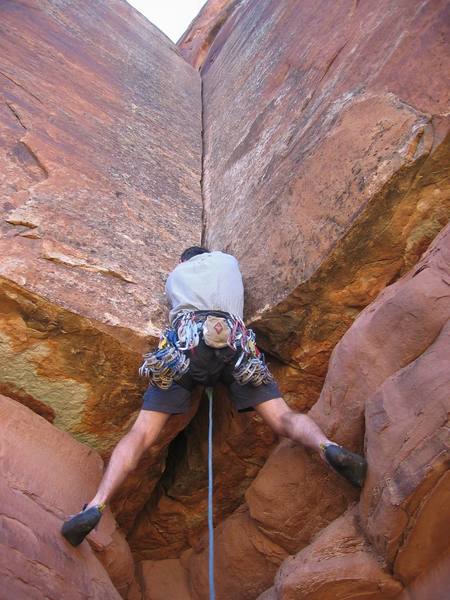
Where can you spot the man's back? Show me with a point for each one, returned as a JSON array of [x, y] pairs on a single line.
[[208, 281]]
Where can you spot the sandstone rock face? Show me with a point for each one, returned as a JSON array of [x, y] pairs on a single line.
[[338, 565], [407, 495], [326, 160], [164, 579], [100, 167], [139, 487], [47, 475], [295, 495], [176, 516], [100, 154], [389, 335], [245, 560], [114, 553], [326, 153], [434, 584], [197, 40]]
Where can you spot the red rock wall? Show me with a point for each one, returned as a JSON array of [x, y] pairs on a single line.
[[176, 520], [435, 584], [47, 475], [100, 172], [326, 172], [100, 168], [326, 158], [101, 158], [338, 564]]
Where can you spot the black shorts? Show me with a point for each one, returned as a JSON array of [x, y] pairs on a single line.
[[208, 366]]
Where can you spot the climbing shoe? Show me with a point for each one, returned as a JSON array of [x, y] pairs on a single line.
[[76, 528], [351, 466]]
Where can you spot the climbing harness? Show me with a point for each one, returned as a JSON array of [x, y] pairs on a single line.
[[169, 361], [212, 593]]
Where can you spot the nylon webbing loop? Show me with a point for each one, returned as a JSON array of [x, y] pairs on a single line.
[[212, 593]]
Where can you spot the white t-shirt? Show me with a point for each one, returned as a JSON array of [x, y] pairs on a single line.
[[209, 281]]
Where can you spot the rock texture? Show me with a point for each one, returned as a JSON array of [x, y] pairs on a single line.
[[100, 167], [47, 475], [407, 495], [164, 579], [245, 560], [197, 40], [338, 565], [387, 337], [392, 364], [434, 584], [100, 154], [176, 516], [294, 496], [326, 152]]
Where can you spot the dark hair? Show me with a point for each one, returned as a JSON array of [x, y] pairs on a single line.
[[192, 251]]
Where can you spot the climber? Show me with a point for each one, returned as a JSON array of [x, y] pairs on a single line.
[[206, 342]]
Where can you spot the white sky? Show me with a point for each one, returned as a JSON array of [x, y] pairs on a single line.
[[171, 16]]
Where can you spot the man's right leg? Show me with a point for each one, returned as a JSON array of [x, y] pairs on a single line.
[[124, 459], [127, 453]]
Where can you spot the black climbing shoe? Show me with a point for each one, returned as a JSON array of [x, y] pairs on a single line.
[[351, 466], [76, 528]]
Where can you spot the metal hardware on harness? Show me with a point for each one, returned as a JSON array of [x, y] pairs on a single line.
[[169, 362], [166, 363], [253, 370]]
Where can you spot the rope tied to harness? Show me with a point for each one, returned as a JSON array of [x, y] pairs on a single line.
[[212, 592]]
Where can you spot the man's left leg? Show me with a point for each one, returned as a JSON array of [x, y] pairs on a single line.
[[302, 429], [296, 426]]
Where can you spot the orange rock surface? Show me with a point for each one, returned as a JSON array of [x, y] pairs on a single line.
[[407, 494], [196, 41], [177, 520], [100, 154], [386, 338], [434, 584], [245, 560], [338, 565], [164, 579], [47, 475], [100, 167]]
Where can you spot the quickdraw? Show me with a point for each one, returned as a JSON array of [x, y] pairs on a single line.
[[169, 361], [188, 328], [166, 363], [253, 370]]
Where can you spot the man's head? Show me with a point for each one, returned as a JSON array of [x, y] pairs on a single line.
[[192, 251]]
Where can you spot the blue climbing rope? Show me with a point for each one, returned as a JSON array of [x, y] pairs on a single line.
[[212, 593]]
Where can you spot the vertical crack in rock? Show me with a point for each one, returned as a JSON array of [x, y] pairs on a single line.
[[202, 173]]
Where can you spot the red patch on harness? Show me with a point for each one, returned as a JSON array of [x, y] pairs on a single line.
[[218, 327]]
